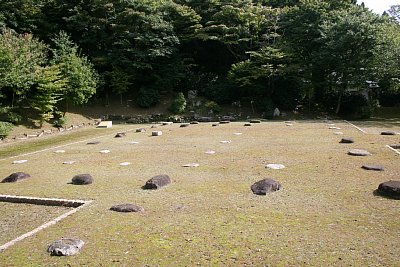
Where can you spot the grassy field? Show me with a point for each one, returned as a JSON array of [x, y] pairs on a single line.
[[326, 214]]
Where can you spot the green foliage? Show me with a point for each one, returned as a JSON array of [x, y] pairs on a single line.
[[9, 114], [5, 129], [81, 78], [147, 97], [50, 86], [20, 56], [178, 104], [212, 106], [61, 121]]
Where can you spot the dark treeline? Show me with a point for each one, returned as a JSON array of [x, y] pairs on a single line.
[[337, 56]]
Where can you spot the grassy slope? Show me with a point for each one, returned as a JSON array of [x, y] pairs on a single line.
[[325, 215]]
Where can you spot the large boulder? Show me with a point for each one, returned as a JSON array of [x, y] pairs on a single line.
[[82, 179], [265, 186], [65, 247], [390, 189], [16, 176], [157, 182], [127, 208]]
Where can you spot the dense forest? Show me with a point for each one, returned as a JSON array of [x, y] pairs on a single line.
[[334, 56]]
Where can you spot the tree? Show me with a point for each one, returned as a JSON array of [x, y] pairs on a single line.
[[81, 78], [49, 91], [20, 56]]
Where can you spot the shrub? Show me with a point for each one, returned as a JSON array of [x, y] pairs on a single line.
[[212, 106], [5, 129], [266, 106], [147, 97], [60, 122], [179, 104]]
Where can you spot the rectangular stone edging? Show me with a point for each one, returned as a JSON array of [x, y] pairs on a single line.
[[395, 150], [76, 204]]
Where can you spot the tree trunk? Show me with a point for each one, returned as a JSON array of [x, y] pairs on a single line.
[[339, 103]]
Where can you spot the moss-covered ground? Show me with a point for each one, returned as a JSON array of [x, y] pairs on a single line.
[[326, 214]]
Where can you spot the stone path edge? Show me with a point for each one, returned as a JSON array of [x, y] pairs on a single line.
[[391, 148], [358, 128], [76, 204], [55, 147]]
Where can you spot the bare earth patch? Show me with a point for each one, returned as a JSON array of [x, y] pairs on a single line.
[[326, 213]]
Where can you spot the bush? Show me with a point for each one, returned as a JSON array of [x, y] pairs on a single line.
[[266, 106], [147, 97], [60, 122], [179, 104], [212, 106], [5, 129]]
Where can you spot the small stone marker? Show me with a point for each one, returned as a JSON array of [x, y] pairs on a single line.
[[347, 140], [265, 186], [120, 135], [105, 151], [156, 133], [275, 166], [93, 143], [215, 124], [82, 179], [395, 146], [373, 167], [237, 134], [225, 142], [194, 122], [19, 161], [16, 176], [289, 124], [338, 133], [334, 128], [157, 182], [255, 121], [247, 124], [359, 152], [59, 151], [127, 208], [140, 130], [166, 123], [133, 142], [65, 247], [69, 162], [125, 164], [210, 152], [224, 122], [184, 125], [390, 189], [388, 133], [191, 165], [105, 124]]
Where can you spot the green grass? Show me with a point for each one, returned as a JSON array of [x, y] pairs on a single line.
[[325, 215]]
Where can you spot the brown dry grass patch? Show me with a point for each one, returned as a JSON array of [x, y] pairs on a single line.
[[325, 215]]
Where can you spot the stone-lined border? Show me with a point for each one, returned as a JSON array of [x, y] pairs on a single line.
[[391, 148], [76, 204], [358, 128]]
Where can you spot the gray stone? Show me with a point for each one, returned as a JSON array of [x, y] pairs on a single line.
[[247, 124], [228, 118], [184, 125], [265, 186], [16, 176], [358, 152], [65, 247], [224, 122], [214, 124], [255, 121], [388, 133], [373, 167], [395, 146], [93, 143], [347, 140], [156, 133], [157, 182], [120, 135], [82, 179], [127, 208], [140, 130], [390, 189], [194, 122]]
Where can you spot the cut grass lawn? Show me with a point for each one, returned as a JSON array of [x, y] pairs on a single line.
[[326, 213]]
